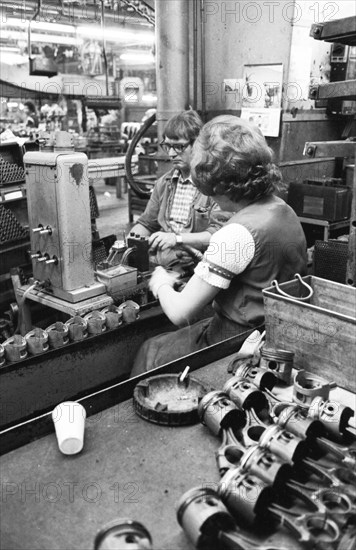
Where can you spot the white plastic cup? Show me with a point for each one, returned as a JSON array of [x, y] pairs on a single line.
[[69, 421]]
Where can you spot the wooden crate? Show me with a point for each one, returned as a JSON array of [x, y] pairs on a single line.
[[321, 332]]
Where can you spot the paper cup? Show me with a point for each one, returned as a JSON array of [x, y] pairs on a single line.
[[69, 421]]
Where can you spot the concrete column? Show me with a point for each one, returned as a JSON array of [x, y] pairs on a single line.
[[172, 59]]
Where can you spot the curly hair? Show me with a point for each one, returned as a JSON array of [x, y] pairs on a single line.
[[185, 125], [231, 157]]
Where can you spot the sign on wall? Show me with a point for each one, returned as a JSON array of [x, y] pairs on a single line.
[[262, 97]]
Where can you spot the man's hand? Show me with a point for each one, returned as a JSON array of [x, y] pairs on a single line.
[[162, 277], [162, 241]]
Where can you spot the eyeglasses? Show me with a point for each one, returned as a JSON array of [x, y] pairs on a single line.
[[177, 147]]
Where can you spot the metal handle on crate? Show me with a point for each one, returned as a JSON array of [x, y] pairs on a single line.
[[301, 299]]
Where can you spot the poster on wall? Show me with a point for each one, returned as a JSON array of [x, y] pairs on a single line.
[[262, 97]]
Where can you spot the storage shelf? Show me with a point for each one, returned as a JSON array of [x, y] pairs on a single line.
[[328, 226], [345, 89], [326, 149], [340, 30]]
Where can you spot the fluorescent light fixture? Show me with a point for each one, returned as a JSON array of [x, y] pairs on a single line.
[[39, 26], [46, 38], [138, 57], [116, 34], [11, 58]]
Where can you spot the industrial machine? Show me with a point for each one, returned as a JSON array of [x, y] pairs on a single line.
[[59, 219], [61, 232]]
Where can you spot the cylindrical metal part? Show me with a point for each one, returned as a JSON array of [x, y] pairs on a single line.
[[308, 386], [123, 534], [279, 361], [113, 316], [77, 328], [266, 466], [96, 322], [53, 261], [130, 311], [294, 421], [284, 444], [264, 379], [57, 335], [15, 348], [172, 59], [218, 412], [37, 341], [46, 231], [334, 416], [202, 515], [245, 495], [43, 258], [245, 394]]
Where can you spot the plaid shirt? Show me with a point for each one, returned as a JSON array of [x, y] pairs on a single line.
[[182, 201]]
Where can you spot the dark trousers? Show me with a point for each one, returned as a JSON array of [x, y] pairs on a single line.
[[170, 346]]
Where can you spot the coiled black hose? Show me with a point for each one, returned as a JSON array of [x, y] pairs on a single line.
[[135, 185]]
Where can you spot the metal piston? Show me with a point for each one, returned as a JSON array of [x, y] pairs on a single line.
[[218, 412], [245, 495], [279, 361], [202, 515], [334, 416], [245, 394], [123, 534]]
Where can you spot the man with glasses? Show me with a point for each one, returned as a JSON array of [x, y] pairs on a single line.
[[177, 213]]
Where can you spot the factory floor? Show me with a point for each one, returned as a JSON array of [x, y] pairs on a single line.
[[114, 213]]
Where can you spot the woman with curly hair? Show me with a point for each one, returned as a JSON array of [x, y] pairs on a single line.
[[263, 240]]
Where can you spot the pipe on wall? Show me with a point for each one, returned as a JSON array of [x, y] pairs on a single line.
[[172, 59]]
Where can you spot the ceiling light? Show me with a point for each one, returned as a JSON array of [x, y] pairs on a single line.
[[138, 57], [116, 34], [40, 26], [46, 38]]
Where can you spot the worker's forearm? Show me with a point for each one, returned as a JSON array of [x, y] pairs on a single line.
[[197, 240], [141, 230], [171, 303]]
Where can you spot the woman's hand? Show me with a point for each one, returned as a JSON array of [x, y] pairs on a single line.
[[161, 240], [162, 277]]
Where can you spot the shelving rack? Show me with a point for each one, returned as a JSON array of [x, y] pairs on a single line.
[[342, 31]]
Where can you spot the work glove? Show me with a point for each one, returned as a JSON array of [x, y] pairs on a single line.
[[162, 277]]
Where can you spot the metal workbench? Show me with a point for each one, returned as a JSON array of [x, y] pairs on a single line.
[[129, 468]]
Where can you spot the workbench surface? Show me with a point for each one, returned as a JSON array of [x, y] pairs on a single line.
[[129, 468]]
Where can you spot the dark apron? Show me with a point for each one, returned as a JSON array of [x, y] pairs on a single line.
[[170, 346]]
